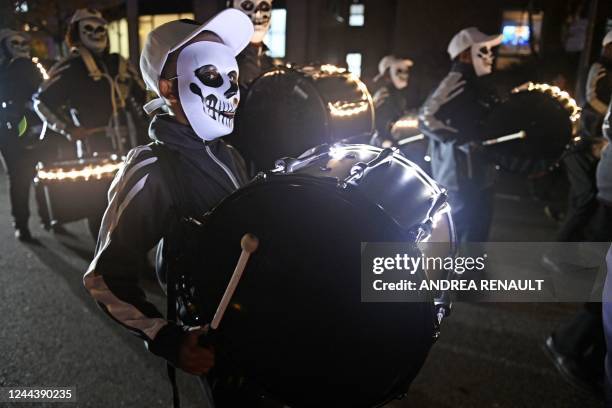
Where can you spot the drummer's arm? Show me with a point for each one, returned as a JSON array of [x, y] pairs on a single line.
[[52, 94], [133, 224]]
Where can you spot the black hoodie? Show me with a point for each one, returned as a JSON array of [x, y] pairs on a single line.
[[137, 216]]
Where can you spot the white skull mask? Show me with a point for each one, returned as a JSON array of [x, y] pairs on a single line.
[[208, 88], [260, 13], [18, 46], [482, 59], [93, 34], [400, 73]]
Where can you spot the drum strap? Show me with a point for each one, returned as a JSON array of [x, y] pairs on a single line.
[[171, 250]]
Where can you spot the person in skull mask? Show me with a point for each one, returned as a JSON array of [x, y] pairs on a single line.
[[89, 91], [390, 99], [19, 145], [254, 61], [452, 118], [184, 172], [598, 91]]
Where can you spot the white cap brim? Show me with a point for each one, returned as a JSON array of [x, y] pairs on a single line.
[[233, 27], [490, 40]]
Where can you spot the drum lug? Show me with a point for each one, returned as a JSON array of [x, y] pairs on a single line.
[[361, 169], [261, 176], [290, 164]]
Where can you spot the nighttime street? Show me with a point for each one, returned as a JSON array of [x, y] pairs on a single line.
[[306, 203], [489, 355]]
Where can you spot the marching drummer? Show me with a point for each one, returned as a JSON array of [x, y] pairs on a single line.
[[89, 92], [452, 118], [598, 91], [20, 78], [185, 172], [88, 89], [254, 60], [390, 99]]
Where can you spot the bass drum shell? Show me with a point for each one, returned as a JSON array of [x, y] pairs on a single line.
[[296, 324], [547, 124], [287, 111]]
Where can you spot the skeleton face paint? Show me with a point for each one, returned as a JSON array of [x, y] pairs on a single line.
[[400, 73], [260, 13], [93, 34], [18, 46], [482, 59], [208, 88]]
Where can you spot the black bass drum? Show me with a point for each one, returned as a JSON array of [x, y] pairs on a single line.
[[290, 110], [547, 114], [296, 325]]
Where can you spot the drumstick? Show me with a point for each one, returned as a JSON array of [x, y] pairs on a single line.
[[249, 244], [507, 138]]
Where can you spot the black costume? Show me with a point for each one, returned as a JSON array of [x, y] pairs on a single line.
[[390, 104], [451, 118], [20, 79], [79, 94], [580, 166], [139, 210], [253, 61]]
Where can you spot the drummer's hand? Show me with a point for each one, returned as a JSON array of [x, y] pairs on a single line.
[[193, 358]]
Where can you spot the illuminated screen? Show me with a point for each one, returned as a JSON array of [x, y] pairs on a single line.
[[515, 35]]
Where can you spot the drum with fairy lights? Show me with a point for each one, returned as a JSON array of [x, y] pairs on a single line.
[[77, 189], [289, 110], [546, 114], [297, 330]]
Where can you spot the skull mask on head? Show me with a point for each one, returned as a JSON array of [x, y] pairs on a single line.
[[482, 59], [260, 13], [93, 34], [400, 73], [18, 46], [208, 88]]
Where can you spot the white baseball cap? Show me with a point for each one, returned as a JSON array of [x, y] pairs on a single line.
[[468, 37], [607, 39], [82, 14], [389, 60], [233, 27]]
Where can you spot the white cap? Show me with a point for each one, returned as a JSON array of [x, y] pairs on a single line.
[[468, 37], [82, 14], [607, 39], [386, 63], [233, 27]]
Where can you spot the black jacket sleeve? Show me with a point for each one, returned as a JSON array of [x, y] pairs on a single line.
[[134, 222], [54, 95]]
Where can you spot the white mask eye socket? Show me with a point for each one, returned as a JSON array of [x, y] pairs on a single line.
[[209, 76], [247, 6], [484, 51], [264, 6]]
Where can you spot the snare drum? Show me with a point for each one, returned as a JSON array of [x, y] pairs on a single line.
[[297, 327], [76, 189]]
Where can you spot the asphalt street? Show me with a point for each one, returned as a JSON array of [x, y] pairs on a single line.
[[52, 333]]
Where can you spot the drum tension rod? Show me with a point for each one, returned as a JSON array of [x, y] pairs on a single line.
[[361, 168]]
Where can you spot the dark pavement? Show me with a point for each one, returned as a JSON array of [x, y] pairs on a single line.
[[52, 334]]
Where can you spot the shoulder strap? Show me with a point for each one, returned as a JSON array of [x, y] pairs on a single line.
[[167, 161]]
